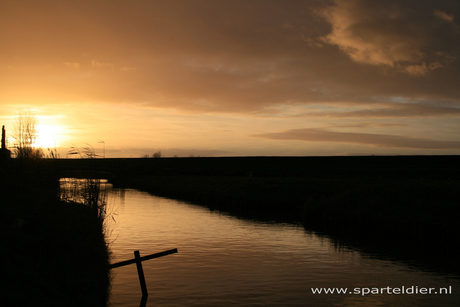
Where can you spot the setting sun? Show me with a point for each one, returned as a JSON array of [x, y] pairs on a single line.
[[48, 136]]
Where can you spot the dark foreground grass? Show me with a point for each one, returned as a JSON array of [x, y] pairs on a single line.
[[52, 253]]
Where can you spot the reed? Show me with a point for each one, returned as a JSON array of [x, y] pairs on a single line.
[[89, 191]]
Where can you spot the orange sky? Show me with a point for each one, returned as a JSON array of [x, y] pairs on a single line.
[[233, 78]]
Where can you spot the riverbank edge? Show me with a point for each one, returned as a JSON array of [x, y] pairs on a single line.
[[404, 204], [53, 253], [404, 214]]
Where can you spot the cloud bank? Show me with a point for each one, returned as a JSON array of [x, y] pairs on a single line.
[[232, 56], [408, 36], [377, 140]]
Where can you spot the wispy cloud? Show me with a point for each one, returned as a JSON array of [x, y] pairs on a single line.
[[444, 16], [390, 110], [98, 64], [376, 140], [75, 65]]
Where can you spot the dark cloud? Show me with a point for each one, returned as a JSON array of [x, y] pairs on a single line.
[[411, 37], [376, 140]]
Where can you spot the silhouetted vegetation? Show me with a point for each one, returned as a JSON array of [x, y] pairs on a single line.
[[53, 253], [87, 190], [25, 134], [157, 154]]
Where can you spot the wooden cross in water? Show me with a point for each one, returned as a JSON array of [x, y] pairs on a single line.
[[140, 271]]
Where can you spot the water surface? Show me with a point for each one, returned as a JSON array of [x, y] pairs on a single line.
[[226, 261]]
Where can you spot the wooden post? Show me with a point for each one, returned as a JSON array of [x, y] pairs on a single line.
[[148, 257], [140, 272], [3, 138], [4, 153], [143, 301]]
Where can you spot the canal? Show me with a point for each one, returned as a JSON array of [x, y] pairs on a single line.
[[227, 261]]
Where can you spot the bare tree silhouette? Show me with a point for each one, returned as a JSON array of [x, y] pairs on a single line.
[[25, 134]]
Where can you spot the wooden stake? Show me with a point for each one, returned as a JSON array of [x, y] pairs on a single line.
[[140, 272]]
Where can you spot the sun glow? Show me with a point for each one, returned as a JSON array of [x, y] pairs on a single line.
[[48, 136]]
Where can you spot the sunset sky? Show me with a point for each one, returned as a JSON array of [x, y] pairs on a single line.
[[234, 78]]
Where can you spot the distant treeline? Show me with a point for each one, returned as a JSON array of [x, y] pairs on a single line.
[[343, 167]]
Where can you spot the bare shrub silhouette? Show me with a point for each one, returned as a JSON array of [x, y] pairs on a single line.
[[25, 134]]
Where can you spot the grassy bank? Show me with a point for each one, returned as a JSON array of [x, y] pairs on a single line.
[[53, 253]]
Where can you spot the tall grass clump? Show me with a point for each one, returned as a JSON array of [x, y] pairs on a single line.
[[90, 191]]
